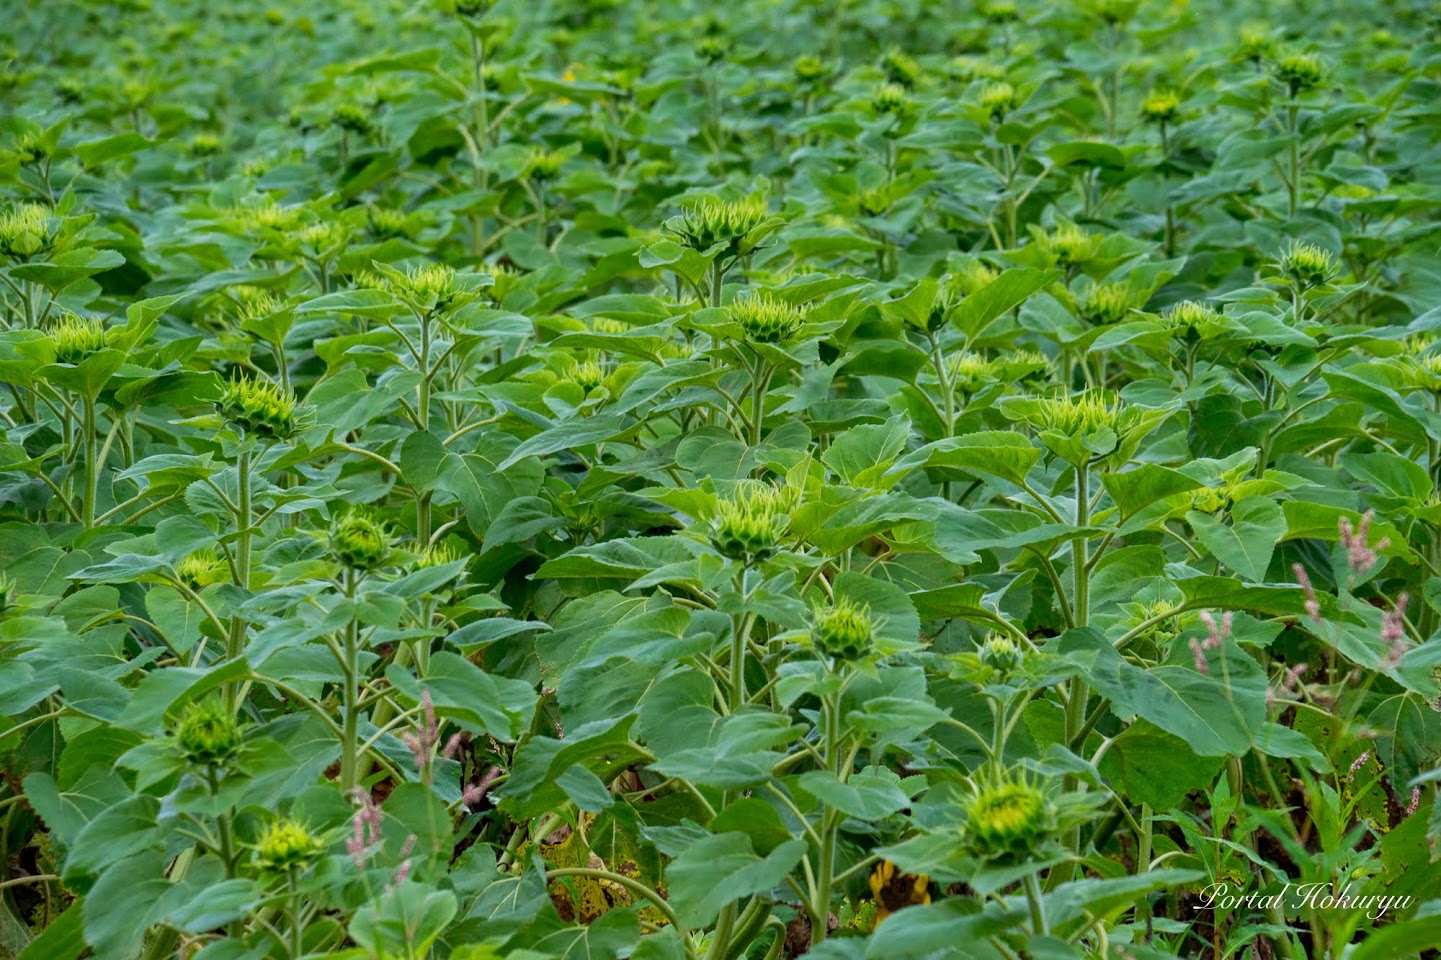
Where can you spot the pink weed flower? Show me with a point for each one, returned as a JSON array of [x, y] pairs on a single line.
[[1313, 606]]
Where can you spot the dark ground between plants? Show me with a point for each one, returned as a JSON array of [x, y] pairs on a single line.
[[583, 480]]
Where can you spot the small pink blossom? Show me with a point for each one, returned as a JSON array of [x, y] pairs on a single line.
[[1199, 652], [1359, 556], [1313, 606], [1359, 761], [1415, 801]]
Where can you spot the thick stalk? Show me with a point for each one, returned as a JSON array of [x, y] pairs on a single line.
[[235, 643], [1038, 908], [1080, 612], [87, 496], [1294, 186], [821, 911], [350, 722]]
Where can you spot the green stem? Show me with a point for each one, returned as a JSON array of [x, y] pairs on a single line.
[[830, 824], [350, 739], [1293, 186], [1038, 908], [87, 503], [235, 643]]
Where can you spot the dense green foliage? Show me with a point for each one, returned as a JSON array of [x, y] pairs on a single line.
[[578, 479]]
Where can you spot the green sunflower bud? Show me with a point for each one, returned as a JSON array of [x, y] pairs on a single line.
[[27, 229], [76, 338], [970, 372], [750, 526], [586, 374], [201, 569], [710, 222], [1008, 819], [810, 69], [766, 319], [1000, 11], [712, 49], [1191, 320], [845, 630], [998, 99], [1299, 71], [1161, 106], [359, 542], [900, 68], [470, 9], [1026, 367], [874, 201], [30, 149], [1001, 654], [1308, 265], [1070, 245], [1107, 303], [261, 408], [351, 117], [1424, 372], [208, 734], [205, 145], [544, 165], [285, 846], [890, 98]]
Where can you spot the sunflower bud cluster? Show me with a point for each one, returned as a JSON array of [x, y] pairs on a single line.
[[27, 230], [77, 338], [766, 319], [208, 734], [359, 542], [750, 526], [711, 222], [261, 408], [1008, 819], [1308, 265], [286, 845], [844, 631]]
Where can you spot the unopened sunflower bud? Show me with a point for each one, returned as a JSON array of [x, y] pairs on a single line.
[[810, 69], [351, 118], [1008, 819], [260, 407], [201, 569], [1107, 303], [1071, 245], [750, 527], [1001, 654], [844, 631], [765, 319], [900, 68], [1193, 321], [1308, 265], [208, 734], [28, 229], [286, 845], [544, 165], [77, 338], [998, 100], [1161, 107], [1299, 71], [359, 542], [890, 98], [709, 222]]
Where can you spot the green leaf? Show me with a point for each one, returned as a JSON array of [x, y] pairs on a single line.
[[979, 310], [1247, 543], [722, 869], [999, 453]]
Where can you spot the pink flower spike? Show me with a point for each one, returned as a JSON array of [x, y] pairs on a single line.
[[1198, 651], [1415, 801], [1359, 761]]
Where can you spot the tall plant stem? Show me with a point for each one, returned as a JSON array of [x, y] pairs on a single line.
[[350, 722], [91, 467]]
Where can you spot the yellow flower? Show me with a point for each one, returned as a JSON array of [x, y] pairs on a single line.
[[893, 890]]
